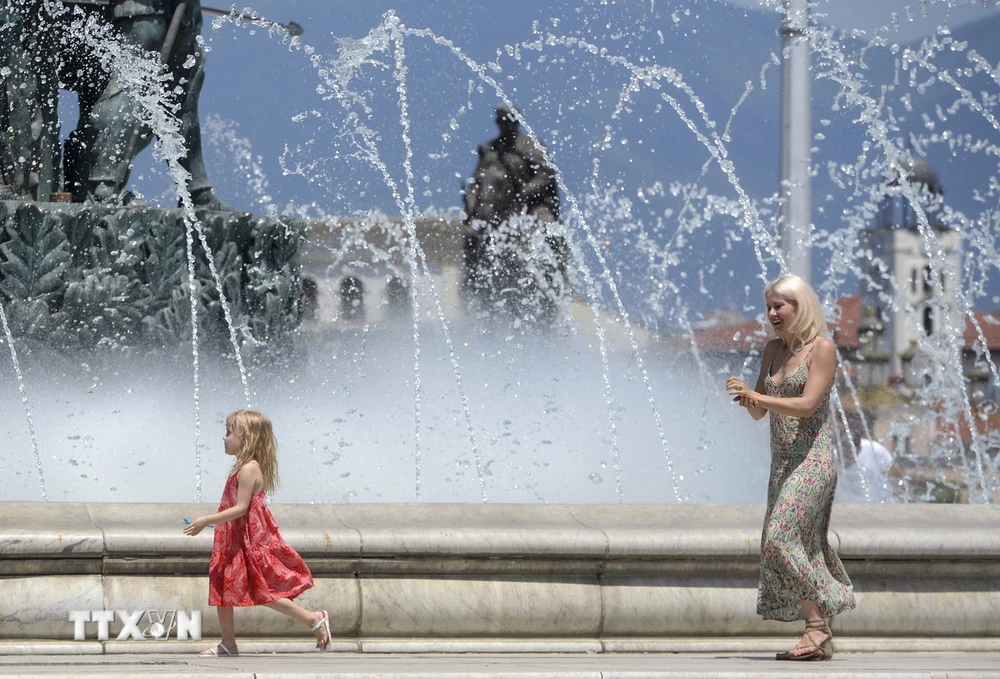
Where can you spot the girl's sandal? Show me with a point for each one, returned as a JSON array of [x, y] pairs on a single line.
[[323, 642], [215, 652], [822, 651]]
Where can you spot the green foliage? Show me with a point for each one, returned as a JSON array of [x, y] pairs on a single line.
[[106, 309], [34, 256], [93, 276]]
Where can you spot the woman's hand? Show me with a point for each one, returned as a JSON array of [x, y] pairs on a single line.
[[196, 526], [741, 393]]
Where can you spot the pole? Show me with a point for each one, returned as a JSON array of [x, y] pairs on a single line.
[[796, 101]]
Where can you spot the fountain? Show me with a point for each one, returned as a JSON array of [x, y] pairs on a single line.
[[672, 223]]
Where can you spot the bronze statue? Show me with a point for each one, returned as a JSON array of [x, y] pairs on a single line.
[[109, 136], [28, 94], [514, 260], [40, 54]]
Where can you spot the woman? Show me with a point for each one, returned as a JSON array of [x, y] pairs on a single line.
[[801, 577]]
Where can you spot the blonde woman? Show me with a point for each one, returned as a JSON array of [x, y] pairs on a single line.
[[801, 576]]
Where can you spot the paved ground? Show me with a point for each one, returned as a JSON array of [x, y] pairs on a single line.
[[340, 665]]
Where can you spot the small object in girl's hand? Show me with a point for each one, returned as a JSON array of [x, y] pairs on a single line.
[[187, 522]]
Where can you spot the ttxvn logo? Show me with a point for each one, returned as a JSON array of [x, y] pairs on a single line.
[[143, 624]]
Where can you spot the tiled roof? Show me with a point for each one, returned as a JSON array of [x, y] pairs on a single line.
[[989, 322], [845, 330], [741, 336], [752, 334]]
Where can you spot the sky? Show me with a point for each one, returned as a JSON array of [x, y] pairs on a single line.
[[915, 18], [250, 78], [266, 101]]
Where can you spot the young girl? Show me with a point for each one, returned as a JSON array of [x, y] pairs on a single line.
[[801, 576], [251, 564]]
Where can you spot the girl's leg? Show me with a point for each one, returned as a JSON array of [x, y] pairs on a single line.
[[311, 618], [227, 627], [227, 631]]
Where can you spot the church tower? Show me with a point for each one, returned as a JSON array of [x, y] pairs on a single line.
[[908, 291]]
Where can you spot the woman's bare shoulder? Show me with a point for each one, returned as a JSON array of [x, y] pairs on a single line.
[[824, 351], [826, 345]]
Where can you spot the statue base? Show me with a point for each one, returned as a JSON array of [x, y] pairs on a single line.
[[75, 275]]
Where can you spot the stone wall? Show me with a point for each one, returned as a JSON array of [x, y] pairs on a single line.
[[626, 577]]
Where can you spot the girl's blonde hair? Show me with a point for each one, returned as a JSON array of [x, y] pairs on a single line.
[[258, 445], [809, 321]]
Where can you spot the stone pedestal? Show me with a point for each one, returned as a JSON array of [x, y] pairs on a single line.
[[82, 276]]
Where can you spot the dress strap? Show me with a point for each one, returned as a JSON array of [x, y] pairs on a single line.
[[805, 359]]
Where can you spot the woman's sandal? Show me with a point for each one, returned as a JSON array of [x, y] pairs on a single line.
[[323, 644], [214, 652], [822, 651]]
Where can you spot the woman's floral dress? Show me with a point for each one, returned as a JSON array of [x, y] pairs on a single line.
[[797, 563]]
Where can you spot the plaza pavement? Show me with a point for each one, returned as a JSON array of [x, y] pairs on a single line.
[[353, 665]]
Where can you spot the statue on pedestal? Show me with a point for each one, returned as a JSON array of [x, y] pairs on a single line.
[[109, 135], [99, 276], [515, 259], [40, 53]]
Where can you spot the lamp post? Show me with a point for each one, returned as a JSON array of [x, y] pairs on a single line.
[[796, 104]]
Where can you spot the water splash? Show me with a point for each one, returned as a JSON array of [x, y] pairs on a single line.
[[24, 401]]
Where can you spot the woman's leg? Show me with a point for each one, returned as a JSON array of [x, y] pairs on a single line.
[[816, 634], [810, 611], [310, 618]]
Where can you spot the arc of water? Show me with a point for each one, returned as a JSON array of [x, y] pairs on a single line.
[[623, 99], [576, 214], [686, 206], [365, 140], [220, 131], [843, 418], [842, 415], [648, 75], [24, 401], [223, 302], [876, 129], [193, 299], [920, 58], [413, 245], [418, 258], [590, 285], [982, 65], [148, 87], [410, 209]]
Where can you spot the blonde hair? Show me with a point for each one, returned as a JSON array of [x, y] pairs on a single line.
[[259, 445], [809, 321]]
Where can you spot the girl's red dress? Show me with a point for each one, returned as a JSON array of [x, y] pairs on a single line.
[[251, 564]]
